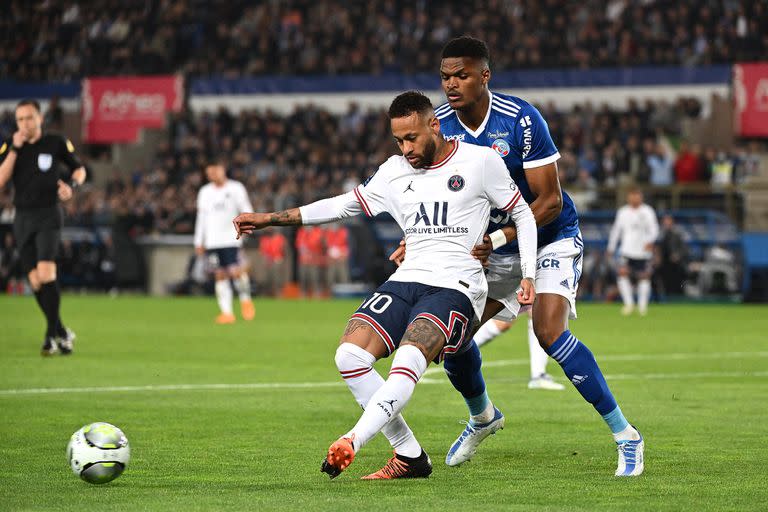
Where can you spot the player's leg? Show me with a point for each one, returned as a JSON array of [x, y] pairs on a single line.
[[540, 379], [370, 336], [238, 272], [625, 288], [48, 294], [644, 287], [222, 287], [464, 369], [490, 330]]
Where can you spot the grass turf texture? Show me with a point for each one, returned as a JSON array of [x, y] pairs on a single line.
[[702, 411]]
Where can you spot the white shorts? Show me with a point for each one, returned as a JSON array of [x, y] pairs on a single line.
[[558, 268]]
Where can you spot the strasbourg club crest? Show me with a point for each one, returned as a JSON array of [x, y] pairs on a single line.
[[501, 147], [455, 183]]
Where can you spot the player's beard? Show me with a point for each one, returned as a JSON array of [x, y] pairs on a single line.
[[428, 158]]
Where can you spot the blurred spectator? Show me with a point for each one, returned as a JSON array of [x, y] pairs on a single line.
[[311, 259], [68, 40], [659, 161], [54, 115], [337, 250], [689, 167], [273, 247], [11, 276], [672, 256]]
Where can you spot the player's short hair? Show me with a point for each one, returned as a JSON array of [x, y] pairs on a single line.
[[409, 102], [467, 46], [221, 160], [31, 102]]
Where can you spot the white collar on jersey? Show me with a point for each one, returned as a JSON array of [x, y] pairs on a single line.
[[481, 128]]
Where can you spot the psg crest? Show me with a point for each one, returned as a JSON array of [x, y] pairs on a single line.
[[501, 147], [455, 183]]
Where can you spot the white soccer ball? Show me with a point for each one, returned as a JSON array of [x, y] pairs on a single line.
[[98, 453]]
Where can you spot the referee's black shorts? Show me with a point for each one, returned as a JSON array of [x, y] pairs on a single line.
[[38, 233]]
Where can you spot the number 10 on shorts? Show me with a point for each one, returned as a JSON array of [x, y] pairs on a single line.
[[378, 303]]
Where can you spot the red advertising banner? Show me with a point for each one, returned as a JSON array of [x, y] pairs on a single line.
[[750, 93], [116, 108]]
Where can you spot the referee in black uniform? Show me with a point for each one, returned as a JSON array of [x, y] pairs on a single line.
[[44, 170]]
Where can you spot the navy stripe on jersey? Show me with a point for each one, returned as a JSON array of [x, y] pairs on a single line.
[[442, 108]]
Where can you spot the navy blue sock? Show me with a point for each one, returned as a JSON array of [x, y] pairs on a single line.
[[580, 367], [464, 372]]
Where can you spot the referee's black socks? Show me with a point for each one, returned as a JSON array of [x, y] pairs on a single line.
[[49, 299]]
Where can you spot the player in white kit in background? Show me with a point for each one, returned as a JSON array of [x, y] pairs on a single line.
[[218, 202], [635, 230], [440, 193]]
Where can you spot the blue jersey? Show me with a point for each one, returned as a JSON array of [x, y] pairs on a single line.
[[516, 131]]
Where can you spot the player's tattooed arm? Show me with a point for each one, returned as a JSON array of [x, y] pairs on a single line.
[[247, 223], [426, 336], [290, 217]]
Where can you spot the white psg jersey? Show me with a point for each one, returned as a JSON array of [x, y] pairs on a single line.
[[216, 208], [443, 211], [634, 228]]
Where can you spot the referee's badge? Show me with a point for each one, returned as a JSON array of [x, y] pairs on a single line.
[[44, 161]]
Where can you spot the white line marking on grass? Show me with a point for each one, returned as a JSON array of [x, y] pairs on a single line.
[[680, 356], [425, 380]]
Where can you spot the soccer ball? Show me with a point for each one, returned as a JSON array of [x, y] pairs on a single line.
[[98, 453]]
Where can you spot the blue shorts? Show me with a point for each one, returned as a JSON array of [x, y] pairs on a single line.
[[395, 305], [224, 257]]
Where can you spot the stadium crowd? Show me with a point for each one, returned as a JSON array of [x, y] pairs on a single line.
[[309, 154], [69, 39]]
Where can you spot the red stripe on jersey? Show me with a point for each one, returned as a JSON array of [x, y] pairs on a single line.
[[378, 328], [361, 200], [448, 157], [513, 202]]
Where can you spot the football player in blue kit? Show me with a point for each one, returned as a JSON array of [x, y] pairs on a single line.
[[518, 133]]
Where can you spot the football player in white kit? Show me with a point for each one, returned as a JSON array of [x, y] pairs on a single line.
[[217, 203], [635, 230], [441, 194]]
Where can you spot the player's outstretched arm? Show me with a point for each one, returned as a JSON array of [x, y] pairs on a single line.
[[319, 212]]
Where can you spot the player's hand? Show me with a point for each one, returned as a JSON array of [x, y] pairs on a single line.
[[398, 255], [483, 251], [199, 250], [247, 223], [65, 191], [527, 293], [649, 246], [18, 139]]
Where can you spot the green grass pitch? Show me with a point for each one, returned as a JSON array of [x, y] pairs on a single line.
[[694, 379]]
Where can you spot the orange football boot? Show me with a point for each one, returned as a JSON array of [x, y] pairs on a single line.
[[340, 456], [247, 310], [225, 318], [400, 466]]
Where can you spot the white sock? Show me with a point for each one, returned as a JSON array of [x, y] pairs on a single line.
[[643, 294], [356, 367], [625, 289], [243, 286], [408, 366], [224, 296], [628, 434], [539, 358], [484, 417], [487, 332]]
